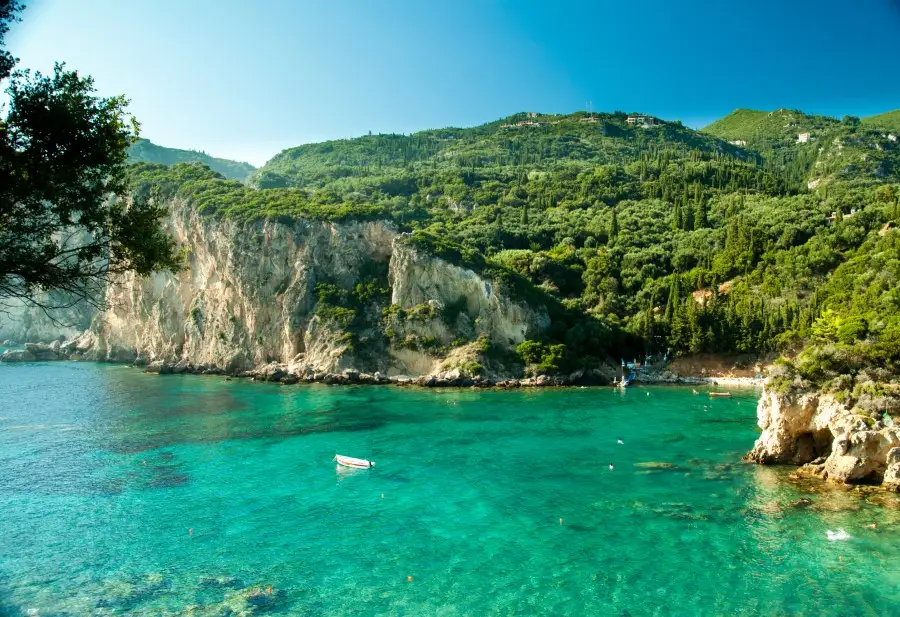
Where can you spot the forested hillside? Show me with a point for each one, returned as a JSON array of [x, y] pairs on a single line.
[[145, 151], [889, 120], [669, 238]]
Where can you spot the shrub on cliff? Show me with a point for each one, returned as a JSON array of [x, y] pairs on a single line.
[[215, 196]]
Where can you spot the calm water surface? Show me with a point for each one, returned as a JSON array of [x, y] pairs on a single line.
[[104, 470]]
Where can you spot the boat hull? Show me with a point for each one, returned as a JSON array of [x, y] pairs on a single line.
[[355, 463]]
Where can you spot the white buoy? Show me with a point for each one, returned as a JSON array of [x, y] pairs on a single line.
[[620, 442]]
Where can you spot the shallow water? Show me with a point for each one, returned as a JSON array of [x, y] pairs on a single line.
[[104, 470]]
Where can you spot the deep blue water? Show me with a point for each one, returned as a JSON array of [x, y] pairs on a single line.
[[104, 470]]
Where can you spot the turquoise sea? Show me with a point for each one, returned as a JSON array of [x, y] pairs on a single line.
[[129, 494]]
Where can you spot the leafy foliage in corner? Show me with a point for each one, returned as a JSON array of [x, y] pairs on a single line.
[[65, 225]]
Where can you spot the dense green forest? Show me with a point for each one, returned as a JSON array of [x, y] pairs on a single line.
[[145, 151], [764, 232]]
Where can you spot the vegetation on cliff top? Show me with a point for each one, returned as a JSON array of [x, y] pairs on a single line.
[[660, 237]]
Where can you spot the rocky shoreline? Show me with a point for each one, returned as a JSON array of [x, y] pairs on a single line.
[[669, 377], [83, 348], [79, 349], [828, 439]]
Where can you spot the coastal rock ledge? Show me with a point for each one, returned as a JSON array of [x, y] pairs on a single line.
[[827, 438]]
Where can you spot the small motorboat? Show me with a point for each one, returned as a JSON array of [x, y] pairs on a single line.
[[720, 393], [356, 463]]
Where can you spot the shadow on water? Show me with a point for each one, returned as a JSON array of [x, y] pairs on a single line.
[[244, 426]]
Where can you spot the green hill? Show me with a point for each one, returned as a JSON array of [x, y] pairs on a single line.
[[811, 149], [750, 125], [738, 125], [889, 120], [147, 152], [667, 239], [538, 141]]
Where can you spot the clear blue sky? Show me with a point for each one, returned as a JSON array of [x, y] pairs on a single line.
[[244, 80]]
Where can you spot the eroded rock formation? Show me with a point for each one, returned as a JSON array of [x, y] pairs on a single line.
[[828, 438]]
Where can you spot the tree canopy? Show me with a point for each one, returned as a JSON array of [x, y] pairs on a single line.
[[65, 221]]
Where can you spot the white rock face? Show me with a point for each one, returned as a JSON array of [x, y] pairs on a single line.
[[828, 437], [247, 299], [23, 323], [417, 278]]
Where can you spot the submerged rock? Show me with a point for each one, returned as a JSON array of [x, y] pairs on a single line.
[[219, 581], [658, 465]]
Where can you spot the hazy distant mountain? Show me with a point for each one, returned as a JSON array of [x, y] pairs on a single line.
[[148, 152]]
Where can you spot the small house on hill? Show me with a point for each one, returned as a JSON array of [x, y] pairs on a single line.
[[803, 138], [834, 215], [642, 121]]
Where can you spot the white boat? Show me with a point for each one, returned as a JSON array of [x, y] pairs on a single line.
[[349, 461]]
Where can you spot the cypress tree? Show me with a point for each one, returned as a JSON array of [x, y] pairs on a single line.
[[688, 216], [674, 298], [613, 228], [700, 217], [677, 218]]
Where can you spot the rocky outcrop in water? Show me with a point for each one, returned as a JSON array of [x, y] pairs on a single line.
[[830, 439]]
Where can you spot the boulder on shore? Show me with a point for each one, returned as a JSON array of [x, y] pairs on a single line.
[[158, 366]]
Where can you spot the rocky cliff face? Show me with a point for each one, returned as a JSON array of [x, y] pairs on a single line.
[[248, 299], [462, 307], [20, 322], [828, 438]]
